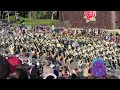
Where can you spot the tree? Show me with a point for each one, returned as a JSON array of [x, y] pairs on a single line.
[[51, 14], [23, 13], [4, 14], [34, 14], [17, 18], [0, 14], [7, 14], [40, 14]]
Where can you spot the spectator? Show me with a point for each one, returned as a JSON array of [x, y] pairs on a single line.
[[50, 77], [14, 62], [19, 74], [61, 77], [34, 76], [113, 77], [35, 70], [48, 71], [98, 69], [4, 68], [74, 76]]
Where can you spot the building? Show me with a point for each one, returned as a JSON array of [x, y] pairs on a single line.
[[103, 19]]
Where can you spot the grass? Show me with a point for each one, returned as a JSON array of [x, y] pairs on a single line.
[[33, 22]]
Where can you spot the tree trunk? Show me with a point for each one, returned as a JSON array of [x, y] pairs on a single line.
[[52, 16], [15, 15], [2, 14]]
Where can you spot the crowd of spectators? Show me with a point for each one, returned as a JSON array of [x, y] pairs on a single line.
[[43, 52]]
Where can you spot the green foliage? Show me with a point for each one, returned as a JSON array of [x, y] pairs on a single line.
[[40, 14], [41, 22], [34, 21], [43, 14], [23, 13], [36, 14]]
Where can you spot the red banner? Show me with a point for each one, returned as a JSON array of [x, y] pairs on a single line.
[[90, 16]]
